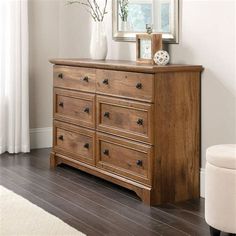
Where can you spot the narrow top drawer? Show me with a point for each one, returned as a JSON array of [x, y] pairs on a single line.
[[77, 78], [137, 86]]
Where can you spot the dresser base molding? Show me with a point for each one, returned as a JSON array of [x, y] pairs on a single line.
[[142, 191]]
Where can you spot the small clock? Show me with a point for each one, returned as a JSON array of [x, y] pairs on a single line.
[[146, 46]]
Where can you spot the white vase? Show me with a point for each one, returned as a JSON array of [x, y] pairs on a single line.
[[98, 44]]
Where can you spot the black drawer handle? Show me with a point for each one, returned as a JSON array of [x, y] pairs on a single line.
[[61, 137], [105, 81], [139, 86], [86, 110], [86, 78], [60, 76], [106, 152], [139, 162], [61, 104], [140, 121], [86, 145], [106, 114]]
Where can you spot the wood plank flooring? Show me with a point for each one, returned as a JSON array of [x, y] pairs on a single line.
[[92, 205]]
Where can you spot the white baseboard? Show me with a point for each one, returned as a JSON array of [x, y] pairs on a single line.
[[41, 137], [202, 182]]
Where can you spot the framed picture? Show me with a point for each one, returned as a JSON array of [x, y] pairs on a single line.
[[146, 46]]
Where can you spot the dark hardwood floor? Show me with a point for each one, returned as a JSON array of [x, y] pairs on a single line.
[[92, 205]]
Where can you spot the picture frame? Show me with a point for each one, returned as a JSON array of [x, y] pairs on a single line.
[[146, 46]]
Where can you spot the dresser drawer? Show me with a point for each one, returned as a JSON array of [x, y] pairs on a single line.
[[126, 158], [125, 118], [76, 78], [74, 107], [138, 86], [76, 142]]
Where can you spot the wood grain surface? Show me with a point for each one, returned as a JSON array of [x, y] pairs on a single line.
[[138, 86], [177, 135], [125, 118], [127, 158], [71, 78], [74, 107], [78, 143], [140, 122], [125, 65]]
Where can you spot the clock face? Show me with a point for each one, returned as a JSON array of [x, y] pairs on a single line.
[[145, 49]]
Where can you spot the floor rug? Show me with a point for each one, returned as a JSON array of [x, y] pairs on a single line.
[[19, 217]]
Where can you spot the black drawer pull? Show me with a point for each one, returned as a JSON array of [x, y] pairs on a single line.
[[139, 162], [140, 121], [61, 104], [86, 78], [86, 110], [60, 76], [106, 114], [106, 152], [139, 86], [86, 145], [105, 81], [61, 137]]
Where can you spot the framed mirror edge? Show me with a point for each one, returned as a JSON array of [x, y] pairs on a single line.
[[121, 36]]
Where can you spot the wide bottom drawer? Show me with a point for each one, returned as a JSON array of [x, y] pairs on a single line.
[[78, 143], [126, 158]]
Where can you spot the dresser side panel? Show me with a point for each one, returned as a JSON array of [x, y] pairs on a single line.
[[177, 136]]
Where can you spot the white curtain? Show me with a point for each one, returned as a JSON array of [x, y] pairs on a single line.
[[14, 102]]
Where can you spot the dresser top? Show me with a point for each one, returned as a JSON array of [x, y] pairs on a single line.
[[125, 65]]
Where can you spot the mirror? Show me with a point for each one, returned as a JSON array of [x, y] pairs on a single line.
[[132, 16]]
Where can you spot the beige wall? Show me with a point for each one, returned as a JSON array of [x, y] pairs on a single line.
[[207, 37], [44, 44], [74, 31]]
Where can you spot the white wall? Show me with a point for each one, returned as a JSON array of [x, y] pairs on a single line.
[[207, 37]]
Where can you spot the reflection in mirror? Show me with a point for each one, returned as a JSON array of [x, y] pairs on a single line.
[[132, 16]]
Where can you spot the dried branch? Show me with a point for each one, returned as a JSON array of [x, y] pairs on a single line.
[[92, 8], [104, 10], [86, 6], [98, 8], [95, 13]]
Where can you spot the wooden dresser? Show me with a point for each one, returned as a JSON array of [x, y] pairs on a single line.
[[135, 125]]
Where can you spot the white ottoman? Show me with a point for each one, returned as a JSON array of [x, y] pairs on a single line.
[[220, 189]]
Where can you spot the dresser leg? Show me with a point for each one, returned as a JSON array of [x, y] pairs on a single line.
[[145, 195], [52, 160], [146, 198]]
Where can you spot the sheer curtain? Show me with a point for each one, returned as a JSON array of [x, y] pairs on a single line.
[[14, 102]]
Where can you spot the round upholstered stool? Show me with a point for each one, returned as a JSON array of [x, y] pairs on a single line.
[[220, 189]]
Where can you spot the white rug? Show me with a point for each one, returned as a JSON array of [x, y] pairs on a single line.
[[19, 217]]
